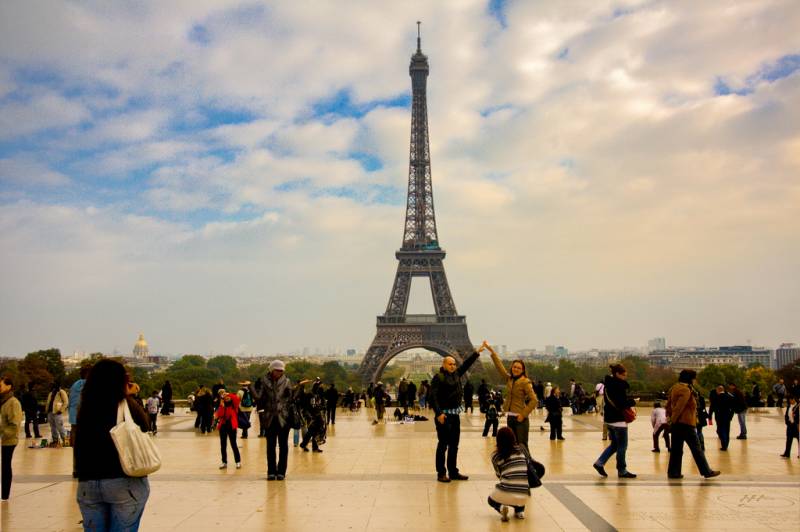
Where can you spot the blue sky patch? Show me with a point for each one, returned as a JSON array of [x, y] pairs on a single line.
[[199, 34], [341, 104], [368, 161], [497, 8], [782, 68]]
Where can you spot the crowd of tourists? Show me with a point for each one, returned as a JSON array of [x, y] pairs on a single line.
[[110, 498]]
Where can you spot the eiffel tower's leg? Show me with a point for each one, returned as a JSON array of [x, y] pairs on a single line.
[[398, 300], [442, 298]]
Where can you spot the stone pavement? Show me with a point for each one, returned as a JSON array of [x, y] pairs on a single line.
[[382, 478]]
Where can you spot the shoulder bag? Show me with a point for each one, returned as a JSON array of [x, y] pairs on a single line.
[[628, 414], [138, 454], [535, 469]]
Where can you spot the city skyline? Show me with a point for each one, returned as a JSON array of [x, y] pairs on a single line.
[[233, 180]]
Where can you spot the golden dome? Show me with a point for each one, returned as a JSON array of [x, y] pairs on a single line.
[[141, 342]]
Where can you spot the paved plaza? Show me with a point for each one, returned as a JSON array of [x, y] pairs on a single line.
[[382, 478]]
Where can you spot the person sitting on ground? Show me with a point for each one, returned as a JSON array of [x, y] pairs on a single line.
[[511, 467], [658, 419]]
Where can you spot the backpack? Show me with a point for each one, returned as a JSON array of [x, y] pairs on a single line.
[[247, 399]]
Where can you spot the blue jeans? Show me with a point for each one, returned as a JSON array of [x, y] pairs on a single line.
[[742, 416], [113, 504], [619, 445]]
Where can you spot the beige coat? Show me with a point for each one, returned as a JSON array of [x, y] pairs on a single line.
[[518, 390], [60, 403], [10, 421]]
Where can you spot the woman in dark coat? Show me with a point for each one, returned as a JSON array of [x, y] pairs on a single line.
[[166, 399], [616, 401]]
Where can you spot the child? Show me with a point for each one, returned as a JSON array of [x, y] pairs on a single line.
[[659, 421], [792, 419], [491, 420], [227, 416], [511, 467], [153, 403], [554, 414]]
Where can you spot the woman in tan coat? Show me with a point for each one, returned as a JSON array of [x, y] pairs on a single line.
[[10, 421], [520, 398]]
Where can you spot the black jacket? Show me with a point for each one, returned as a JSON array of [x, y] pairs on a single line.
[[553, 405], [446, 390], [720, 406], [616, 399]]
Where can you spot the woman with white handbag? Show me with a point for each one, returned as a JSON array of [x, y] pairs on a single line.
[[109, 498]]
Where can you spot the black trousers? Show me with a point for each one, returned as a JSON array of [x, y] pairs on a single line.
[[226, 432], [7, 453], [556, 423], [330, 415], [685, 433], [791, 435], [448, 435], [724, 432], [490, 423], [277, 435], [665, 429], [520, 428], [153, 425], [31, 418]]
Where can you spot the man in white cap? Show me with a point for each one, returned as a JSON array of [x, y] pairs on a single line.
[[273, 393]]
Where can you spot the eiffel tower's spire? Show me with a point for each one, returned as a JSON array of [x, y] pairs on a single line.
[[420, 228]]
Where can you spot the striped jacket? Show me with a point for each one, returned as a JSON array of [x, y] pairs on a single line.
[[512, 472]]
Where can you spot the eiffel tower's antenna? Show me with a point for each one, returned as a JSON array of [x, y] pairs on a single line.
[[419, 40]]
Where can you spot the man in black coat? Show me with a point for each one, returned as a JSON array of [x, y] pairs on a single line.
[[721, 409], [331, 399], [446, 395]]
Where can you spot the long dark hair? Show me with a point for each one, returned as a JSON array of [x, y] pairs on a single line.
[[104, 389], [506, 442], [617, 369]]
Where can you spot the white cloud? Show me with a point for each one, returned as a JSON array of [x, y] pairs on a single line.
[[25, 172]]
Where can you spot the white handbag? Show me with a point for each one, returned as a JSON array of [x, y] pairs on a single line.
[[137, 451]]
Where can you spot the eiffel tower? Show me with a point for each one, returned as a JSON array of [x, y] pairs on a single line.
[[420, 256]]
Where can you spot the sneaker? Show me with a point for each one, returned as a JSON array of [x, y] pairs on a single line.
[[712, 474], [459, 476], [317, 450], [442, 478], [519, 515], [504, 514], [271, 477], [627, 474], [741, 437], [281, 477], [223, 465], [600, 469], [238, 465]]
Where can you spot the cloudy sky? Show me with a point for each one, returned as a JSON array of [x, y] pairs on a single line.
[[230, 176]]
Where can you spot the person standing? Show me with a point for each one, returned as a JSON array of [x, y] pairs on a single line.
[[30, 406], [331, 400], [469, 393], [491, 420], [702, 420], [273, 394], [246, 403], [554, 413], [792, 420], [721, 410], [520, 400], [10, 421], [779, 388], [424, 391], [379, 397], [227, 416], [166, 398], [599, 392], [483, 394], [616, 394], [107, 497], [74, 403], [57, 403], [682, 413], [445, 399], [740, 409], [402, 395], [152, 406], [411, 396]]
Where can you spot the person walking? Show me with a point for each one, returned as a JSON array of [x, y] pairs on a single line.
[[57, 403], [616, 401], [331, 400], [152, 405], [30, 406], [658, 419], [554, 413], [682, 412], [273, 394], [107, 497], [721, 410], [10, 421], [520, 399], [792, 419], [445, 400], [246, 405], [227, 418], [313, 407], [511, 466], [702, 420]]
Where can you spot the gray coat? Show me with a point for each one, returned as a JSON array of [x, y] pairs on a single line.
[[272, 398]]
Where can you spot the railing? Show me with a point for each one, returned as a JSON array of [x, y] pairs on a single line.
[[420, 319]]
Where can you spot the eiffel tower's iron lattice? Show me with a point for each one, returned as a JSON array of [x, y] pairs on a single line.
[[444, 332]]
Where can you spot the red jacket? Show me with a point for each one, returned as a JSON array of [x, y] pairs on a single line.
[[229, 413]]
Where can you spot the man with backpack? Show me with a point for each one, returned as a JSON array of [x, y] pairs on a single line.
[[246, 405]]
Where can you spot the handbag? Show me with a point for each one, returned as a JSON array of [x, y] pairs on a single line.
[[294, 419], [628, 414], [138, 454], [535, 469], [243, 420]]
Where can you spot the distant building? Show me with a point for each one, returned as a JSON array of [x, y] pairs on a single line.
[[700, 357], [786, 354], [140, 349], [550, 350], [351, 352], [561, 351], [656, 344]]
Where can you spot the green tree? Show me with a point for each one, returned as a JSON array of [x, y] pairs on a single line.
[[710, 376], [52, 359], [226, 366]]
